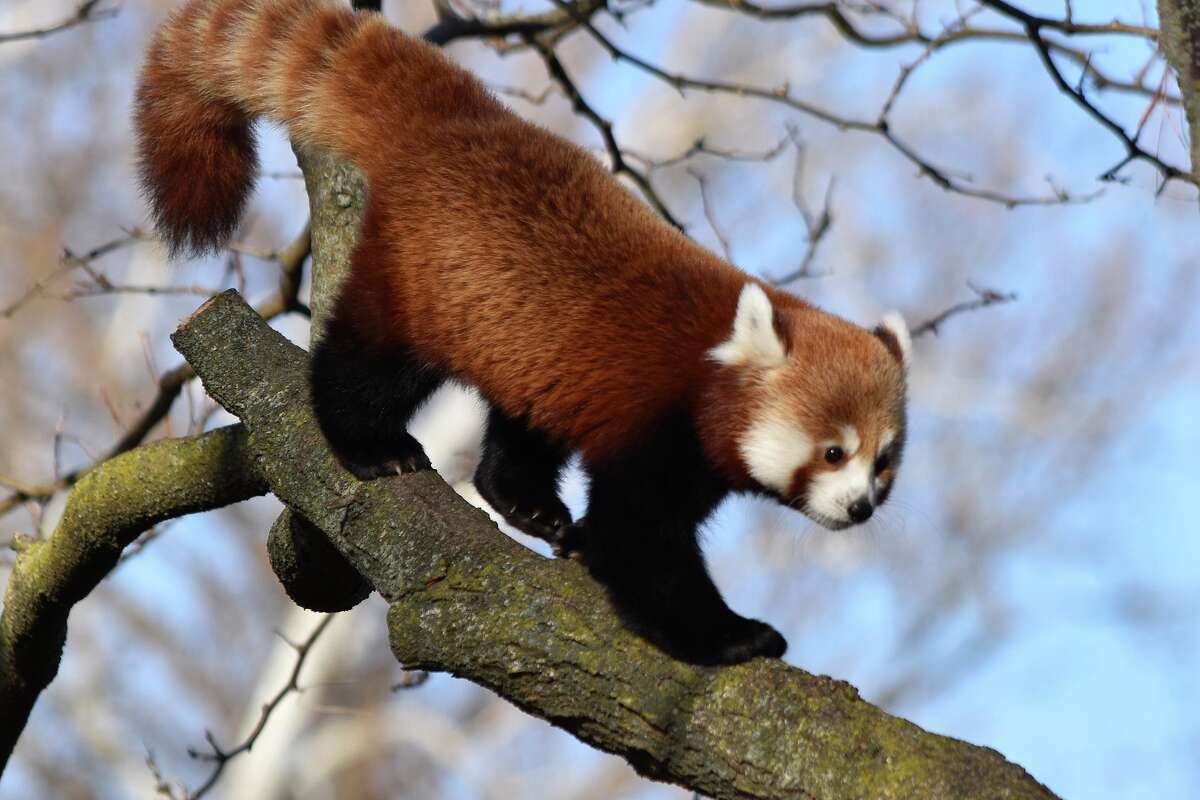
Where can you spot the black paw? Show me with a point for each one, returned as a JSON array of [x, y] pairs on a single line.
[[536, 511], [407, 456], [711, 642], [570, 541], [748, 640]]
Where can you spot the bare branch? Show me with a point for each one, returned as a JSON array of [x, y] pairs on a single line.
[[450, 26], [835, 14], [85, 13], [702, 147], [71, 261], [620, 166], [816, 224], [709, 214], [291, 262], [108, 509], [1033, 26], [985, 298], [539, 632], [220, 757], [782, 95]]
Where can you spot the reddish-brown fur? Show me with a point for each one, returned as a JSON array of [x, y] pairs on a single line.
[[498, 251]]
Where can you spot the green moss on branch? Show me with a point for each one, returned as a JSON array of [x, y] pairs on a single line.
[[105, 512], [470, 601]]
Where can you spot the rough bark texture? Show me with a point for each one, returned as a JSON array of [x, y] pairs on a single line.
[[1179, 38], [313, 573], [336, 194], [468, 600], [106, 511]]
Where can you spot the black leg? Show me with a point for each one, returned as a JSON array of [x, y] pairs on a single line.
[[639, 540], [363, 401], [518, 476]]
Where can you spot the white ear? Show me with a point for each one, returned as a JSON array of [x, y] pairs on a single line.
[[754, 341], [892, 323]]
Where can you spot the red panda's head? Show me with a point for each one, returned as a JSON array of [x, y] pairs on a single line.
[[820, 418]]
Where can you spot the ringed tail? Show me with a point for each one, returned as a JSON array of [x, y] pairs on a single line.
[[337, 79]]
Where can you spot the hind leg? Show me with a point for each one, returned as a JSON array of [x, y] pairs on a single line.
[[363, 401], [518, 476]]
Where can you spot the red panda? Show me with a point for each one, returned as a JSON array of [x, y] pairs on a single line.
[[497, 254]]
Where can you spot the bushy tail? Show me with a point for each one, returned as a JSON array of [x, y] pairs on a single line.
[[344, 81]]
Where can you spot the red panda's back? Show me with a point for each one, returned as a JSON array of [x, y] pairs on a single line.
[[518, 262]]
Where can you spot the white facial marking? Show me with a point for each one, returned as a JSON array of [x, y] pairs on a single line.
[[886, 440], [754, 340], [773, 448], [850, 440], [893, 322], [831, 493]]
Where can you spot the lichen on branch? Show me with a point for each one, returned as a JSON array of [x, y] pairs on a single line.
[[106, 511], [468, 600]]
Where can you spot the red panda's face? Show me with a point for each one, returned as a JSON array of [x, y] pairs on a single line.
[[824, 405]]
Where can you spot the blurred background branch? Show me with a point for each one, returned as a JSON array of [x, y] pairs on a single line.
[[88, 11]]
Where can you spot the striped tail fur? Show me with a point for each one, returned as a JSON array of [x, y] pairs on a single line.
[[339, 80]]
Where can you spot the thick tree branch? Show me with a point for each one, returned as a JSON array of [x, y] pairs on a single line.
[[468, 600], [1180, 40], [107, 510]]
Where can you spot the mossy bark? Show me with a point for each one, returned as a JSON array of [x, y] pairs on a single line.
[[468, 600], [336, 197], [106, 511], [1179, 38]]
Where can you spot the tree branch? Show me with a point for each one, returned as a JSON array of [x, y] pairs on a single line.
[[109, 507], [782, 95], [1180, 40], [1033, 26], [467, 600], [86, 12], [983, 299], [218, 755], [170, 385]]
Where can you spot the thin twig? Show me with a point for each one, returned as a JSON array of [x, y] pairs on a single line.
[[709, 214], [220, 757], [170, 384], [85, 13], [783, 95], [816, 225], [71, 261], [450, 26], [1033, 26], [984, 298], [702, 147], [620, 166], [834, 13]]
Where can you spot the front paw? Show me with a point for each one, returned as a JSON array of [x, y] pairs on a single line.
[[570, 541], [406, 456], [747, 640], [533, 510]]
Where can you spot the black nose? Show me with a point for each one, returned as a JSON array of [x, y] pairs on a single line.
[[860, 510]]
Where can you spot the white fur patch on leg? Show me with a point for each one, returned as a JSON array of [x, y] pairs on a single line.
[[773, 448], [754, 340]]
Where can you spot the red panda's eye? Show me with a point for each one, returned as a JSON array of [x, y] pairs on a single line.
[[883, 462], [833, 454]]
